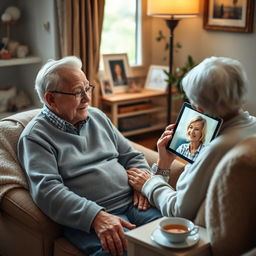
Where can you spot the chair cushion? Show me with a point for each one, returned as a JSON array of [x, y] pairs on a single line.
[[230, 202]]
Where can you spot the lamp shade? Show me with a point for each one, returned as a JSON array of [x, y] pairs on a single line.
[[173, 7]]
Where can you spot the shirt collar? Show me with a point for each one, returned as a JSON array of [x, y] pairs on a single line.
[[198, 149], [61, 123]]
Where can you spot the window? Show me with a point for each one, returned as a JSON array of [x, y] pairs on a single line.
[[121, 29]]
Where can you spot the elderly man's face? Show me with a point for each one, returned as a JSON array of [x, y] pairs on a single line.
[[69, 107]]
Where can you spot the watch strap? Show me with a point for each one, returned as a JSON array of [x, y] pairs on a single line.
[[158, 171]]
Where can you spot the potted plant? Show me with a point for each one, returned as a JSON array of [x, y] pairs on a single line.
[[176, 77]]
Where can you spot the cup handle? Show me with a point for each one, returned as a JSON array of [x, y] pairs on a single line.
[[194, 231]]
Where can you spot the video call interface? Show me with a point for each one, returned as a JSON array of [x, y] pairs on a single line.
[[182, 136]]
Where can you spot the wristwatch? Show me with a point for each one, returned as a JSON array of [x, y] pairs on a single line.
[[157, 171]]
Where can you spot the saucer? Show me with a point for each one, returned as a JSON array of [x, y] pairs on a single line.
[[158, 237]]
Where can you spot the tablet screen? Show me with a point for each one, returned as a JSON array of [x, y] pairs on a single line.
[[192, 132]]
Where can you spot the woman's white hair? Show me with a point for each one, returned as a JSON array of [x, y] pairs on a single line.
[[218, 85], [48, 77]]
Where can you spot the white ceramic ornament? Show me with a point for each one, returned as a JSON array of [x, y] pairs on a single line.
[[6, 17], [14, 12]]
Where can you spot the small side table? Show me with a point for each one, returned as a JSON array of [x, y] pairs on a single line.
[[155, 113], [140, 243]]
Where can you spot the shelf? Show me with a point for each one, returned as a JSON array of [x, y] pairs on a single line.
[[20, 61], [144, 130], [146, 111], [123, 98]]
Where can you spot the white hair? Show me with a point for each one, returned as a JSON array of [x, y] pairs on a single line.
[[48, 78], [218, 85]]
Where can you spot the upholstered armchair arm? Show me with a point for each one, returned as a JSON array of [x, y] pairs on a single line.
[[151, 156], [18, 204], [21, 216]]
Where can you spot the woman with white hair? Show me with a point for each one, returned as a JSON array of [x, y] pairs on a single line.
[[195, 133], [217, 87]]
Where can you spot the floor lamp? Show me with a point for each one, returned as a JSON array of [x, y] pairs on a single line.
[[172, 11]]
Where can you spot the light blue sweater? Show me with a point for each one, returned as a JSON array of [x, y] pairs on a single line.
[[193, 183], [73, 177]]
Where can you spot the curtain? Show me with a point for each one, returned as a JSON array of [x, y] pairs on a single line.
[[80, 25]]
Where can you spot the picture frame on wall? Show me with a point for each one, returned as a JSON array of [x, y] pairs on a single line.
[[118, 70], [156, 78], [229, 15]]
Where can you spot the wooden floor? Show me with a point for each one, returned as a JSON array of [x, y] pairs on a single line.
[[148, 140]]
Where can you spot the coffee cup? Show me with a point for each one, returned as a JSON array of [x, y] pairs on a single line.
[[176, 229]]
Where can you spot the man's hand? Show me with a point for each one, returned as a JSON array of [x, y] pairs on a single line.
[[140, 201], [137, 178], [109, 229]]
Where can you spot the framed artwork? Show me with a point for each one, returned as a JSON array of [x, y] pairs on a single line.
[[229, 15], [156, 78], [118, 70]]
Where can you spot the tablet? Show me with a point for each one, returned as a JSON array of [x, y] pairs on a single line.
[[192, 132]]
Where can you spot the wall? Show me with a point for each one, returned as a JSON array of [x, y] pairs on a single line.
[[202, 43], [43, 42], [195, 41], [29, 30]]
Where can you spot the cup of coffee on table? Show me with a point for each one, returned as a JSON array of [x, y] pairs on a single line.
[[176, 229]]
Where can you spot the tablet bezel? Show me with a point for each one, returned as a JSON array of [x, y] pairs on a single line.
[[187, 105]]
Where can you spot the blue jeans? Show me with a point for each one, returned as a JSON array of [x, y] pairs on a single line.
[[90, 243]]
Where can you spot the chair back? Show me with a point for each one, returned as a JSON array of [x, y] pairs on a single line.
[[231, 201], [11, 127]]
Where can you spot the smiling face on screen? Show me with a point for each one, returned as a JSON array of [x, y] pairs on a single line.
[[194, 131]]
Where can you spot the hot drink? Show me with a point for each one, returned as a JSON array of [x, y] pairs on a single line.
[[176, 228]]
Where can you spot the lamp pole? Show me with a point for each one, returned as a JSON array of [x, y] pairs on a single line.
[[171, 23]]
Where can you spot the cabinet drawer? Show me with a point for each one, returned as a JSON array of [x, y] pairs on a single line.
[[134, 122]]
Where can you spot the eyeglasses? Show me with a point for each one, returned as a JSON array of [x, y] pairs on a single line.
[[88, 91]]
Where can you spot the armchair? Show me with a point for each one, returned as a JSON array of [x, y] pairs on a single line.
[[24, 229], [228, 211]]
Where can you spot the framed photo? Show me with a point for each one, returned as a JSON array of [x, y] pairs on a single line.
[[229, 15], [106, 87], [156, 78], [133, 85], [118, 70]]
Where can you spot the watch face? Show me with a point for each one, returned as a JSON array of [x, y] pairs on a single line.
[[165, 172]]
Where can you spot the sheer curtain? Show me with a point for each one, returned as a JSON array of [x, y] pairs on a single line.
[[80, 25]]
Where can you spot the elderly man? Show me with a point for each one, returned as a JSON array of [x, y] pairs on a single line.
[[75, 162]]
